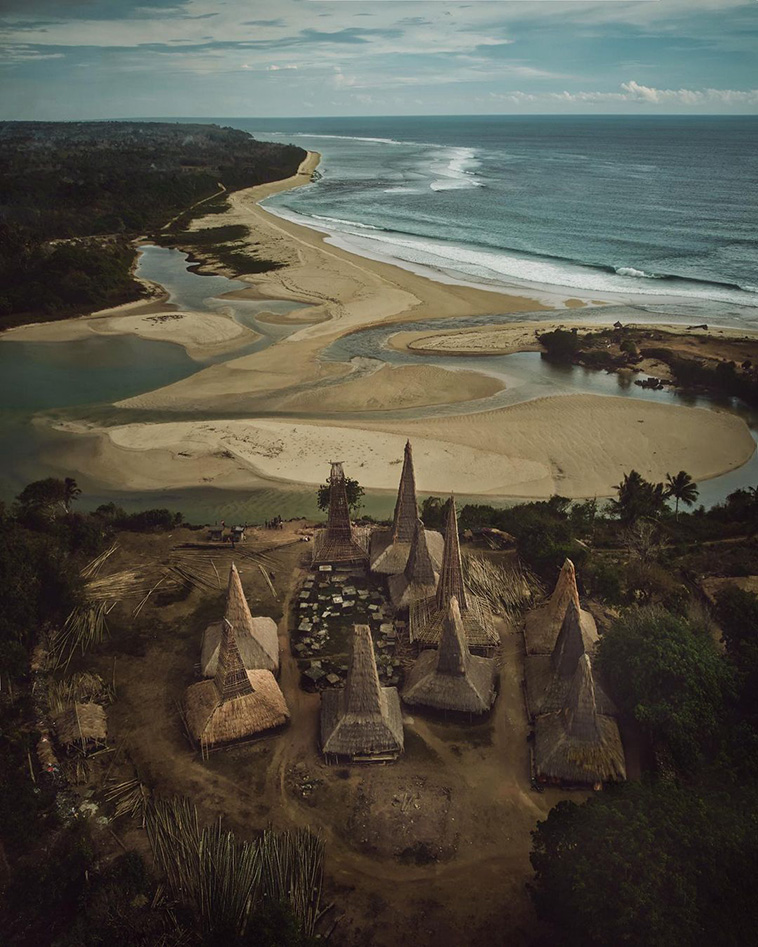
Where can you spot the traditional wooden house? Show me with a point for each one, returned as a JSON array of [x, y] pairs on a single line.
[[362, 721], [549, 676], [236, 704], [391, 547], [257, 638], [419, 579], [427, 616], [544, 623], [340, 543], [450, 677], [578, 745]]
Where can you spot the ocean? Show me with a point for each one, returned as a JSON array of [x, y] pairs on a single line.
[[607, 205]]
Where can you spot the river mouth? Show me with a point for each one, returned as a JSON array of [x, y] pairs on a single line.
[[40, 380]]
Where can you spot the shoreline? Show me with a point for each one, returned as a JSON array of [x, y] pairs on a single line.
[[576, 445]]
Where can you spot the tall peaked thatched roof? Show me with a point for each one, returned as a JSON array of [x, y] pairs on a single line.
[[362, 721], [451, 574], [406, 506], [340, 541], [418, 580], [453, 655], [451, 678], [548, 677], [236, 704], [543, 624], [390, 548], [231, 677], [427, 616], [257, 638], [577, 744]]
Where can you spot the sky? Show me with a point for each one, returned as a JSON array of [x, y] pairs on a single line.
[[91, 59]]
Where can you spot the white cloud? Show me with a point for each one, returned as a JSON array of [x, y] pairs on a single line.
[[635, 93]]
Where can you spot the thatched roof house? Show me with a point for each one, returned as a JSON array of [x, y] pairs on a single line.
[[81, 725], [419, 579], [544, 623], [549, 676], [428, 615], [234, 705], [577, 745], [362, 721], [339, 543], [257, 638], [451, 678], [390, 548]]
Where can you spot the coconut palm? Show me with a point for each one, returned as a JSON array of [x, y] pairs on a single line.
[[70, 492], [682, 488]]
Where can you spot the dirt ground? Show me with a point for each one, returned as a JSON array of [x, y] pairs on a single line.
[[433, 848]]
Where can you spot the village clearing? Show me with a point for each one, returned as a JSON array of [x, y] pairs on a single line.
[[433, 848]]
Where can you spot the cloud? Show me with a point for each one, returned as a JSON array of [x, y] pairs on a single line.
[[635, 93], [278, 22], [18, 53]]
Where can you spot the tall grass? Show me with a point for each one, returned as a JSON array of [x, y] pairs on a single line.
[[224, 881]]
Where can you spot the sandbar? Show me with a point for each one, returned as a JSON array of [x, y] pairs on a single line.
[[574, 445]]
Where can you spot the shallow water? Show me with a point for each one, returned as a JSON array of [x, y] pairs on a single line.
[[87, 376]]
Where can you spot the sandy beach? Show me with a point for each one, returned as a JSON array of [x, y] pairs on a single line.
[[576, 445]]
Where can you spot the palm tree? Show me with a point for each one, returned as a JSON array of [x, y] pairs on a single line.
[[638, 499], [683, 488], [70, 493]]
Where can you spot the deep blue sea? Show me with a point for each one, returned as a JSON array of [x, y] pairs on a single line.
[[601, 205]]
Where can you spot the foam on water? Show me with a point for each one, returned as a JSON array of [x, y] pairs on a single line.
[[614, 205]]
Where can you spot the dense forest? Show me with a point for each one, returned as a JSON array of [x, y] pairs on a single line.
[[74, 195]]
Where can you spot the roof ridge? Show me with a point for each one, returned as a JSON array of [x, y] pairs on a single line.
[[406, 505], [453, 655], [451, 573], [231, 678]]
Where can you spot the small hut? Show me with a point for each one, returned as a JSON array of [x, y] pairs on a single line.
[[390, 548], [577, 745], [451, 678], [362, 721], [549, 676], [419, 579], [257, 638], [216, 534], [236, 704], [543, 624], [81, 725], [340, 543], [427, 616]]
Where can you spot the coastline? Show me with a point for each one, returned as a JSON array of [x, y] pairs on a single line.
[[577, 445]]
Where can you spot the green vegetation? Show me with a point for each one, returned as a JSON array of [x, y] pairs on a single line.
[[74, 195], [659, 865], [224, 244], [664, 670], [354, 495], [627, 346]]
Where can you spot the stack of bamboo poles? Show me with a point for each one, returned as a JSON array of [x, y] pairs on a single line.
[[507, 591], [82, 687], [225, 881]]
